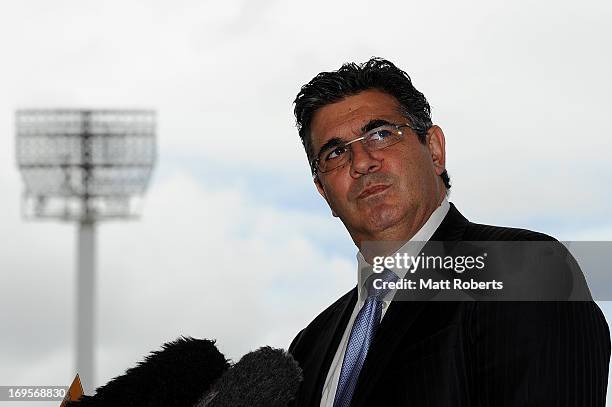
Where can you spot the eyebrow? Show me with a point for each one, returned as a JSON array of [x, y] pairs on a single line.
[[374, 123], [332, 142], [336, 141]]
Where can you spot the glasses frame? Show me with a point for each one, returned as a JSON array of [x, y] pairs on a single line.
[[315, 164]]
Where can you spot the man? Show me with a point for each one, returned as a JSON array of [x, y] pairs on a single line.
[[380, 164]]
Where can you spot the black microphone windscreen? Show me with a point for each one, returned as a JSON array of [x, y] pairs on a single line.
[[177, 375], [266, 377]]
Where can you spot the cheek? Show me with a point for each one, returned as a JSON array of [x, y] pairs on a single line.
[[336, 193], [341, 199], [413, 172]]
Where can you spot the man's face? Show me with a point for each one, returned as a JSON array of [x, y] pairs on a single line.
[[384, 194]]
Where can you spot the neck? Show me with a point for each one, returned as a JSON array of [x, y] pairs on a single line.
[[388, 241]]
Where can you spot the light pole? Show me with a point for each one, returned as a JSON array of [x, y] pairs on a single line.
[[84, 166]]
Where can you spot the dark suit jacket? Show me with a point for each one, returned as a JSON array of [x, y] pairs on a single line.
[[467, 353]]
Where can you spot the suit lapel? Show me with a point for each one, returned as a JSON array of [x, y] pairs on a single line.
[[326, 346], [393, 328]]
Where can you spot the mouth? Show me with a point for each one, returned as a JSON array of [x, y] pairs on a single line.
[[372, 190]]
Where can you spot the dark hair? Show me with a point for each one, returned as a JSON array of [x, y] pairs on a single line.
[[377, 73]]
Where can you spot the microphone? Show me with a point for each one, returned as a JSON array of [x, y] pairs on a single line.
[[266, 377], [175, 376]]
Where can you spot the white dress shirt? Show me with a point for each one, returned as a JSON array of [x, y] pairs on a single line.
[[412, 248]]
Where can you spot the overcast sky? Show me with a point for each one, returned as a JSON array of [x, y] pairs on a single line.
[[521, 89]]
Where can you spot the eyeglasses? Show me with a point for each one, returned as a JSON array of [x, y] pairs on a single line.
[[336, 156]]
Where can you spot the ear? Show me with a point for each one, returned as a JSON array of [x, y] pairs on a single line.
[[321, 190], [437, 148]]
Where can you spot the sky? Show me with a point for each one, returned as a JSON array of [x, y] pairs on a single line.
[[234, 242]]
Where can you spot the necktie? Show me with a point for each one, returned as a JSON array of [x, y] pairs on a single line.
[[362, 333]]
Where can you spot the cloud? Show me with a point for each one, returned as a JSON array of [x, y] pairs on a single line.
[[521, 91], [202, 262]]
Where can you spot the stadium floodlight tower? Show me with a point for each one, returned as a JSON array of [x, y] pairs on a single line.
[[84, 166]]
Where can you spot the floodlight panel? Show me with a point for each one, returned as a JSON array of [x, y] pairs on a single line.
[[75, 209], [100, 158], [69, 181], [56, 137]]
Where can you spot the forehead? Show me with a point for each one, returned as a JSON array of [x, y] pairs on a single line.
[[347, 116]]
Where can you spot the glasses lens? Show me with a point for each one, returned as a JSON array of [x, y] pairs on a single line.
[[382, 137], [376, 139], [333, 157]]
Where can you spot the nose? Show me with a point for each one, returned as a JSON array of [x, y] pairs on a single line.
[[362, 161]]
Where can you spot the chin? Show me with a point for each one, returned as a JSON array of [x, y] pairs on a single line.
[[381, 218]]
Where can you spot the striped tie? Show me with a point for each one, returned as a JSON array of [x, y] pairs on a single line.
[[362, 333]]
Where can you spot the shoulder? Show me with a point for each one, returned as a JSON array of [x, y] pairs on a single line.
[[478, 231], [534, 266], [455, 227]]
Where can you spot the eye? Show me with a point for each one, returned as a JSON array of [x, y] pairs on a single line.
[[335, 153]]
